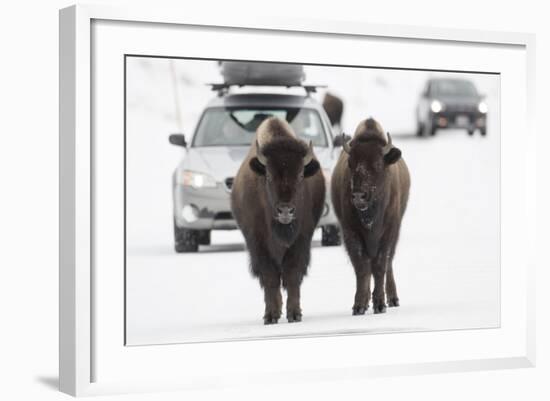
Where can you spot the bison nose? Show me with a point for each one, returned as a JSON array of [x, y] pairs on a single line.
[[360, 200], [359, 197], [286, 210]]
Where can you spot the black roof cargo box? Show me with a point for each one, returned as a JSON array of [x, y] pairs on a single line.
[[256, 73]]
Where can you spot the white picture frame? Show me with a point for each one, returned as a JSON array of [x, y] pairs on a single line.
[[93, 358]]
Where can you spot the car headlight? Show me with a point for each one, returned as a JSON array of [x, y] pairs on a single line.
[[482, 107], [197, 180], [436, 106]]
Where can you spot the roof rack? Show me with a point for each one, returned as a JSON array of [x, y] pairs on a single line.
[[223, 88]]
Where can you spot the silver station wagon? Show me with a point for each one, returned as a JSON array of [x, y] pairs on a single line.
[[203, 179]]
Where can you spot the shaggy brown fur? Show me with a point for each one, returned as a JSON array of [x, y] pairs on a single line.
[[334, 107], [370, 189], [277, 200]]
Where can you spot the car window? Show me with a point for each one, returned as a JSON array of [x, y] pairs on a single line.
[[452, 87], [237, 126]]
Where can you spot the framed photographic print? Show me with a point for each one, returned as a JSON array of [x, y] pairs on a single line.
[[234, 192]]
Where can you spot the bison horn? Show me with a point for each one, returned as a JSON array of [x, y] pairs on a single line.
[[309, 156], [259, 155], [345, 144], [389, 145]]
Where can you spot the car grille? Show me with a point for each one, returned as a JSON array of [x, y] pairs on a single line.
[[461, 108], [229, 183], [223, 216]]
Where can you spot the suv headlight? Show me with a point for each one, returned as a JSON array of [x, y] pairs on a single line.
[[436, 106], [482, 107], [196, 180]]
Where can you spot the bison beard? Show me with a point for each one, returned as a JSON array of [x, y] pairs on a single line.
[[285, 233], [370, 219]]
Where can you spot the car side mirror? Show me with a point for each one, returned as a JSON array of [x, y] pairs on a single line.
[[178, 140], [339, 140]]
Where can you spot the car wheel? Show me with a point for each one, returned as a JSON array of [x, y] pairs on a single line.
[[330, 236], [204, 237], [429, 129], [470, 132], [186, 240], [483, 131]]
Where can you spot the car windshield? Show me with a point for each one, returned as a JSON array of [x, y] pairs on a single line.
[[237, 126], [454, 88]]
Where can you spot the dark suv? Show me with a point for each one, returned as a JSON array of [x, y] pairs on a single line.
[[450, 103]]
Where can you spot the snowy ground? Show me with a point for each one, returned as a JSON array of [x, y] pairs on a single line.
[[447, 262]]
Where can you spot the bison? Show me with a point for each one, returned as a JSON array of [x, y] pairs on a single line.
[[370, 189], [277, 199], [334, 107]]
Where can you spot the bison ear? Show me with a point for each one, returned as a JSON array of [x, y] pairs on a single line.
[[256, 166], [311, 168], [392, 156]]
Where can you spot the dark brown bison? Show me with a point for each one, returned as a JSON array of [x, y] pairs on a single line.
[[334, 107], [277, 200], [370, 189]]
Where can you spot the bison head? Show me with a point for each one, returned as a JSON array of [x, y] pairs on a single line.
[[369, 158], [285, 163]]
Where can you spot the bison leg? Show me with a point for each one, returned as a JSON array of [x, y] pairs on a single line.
[[391, 290], [362, 267], [292, 282], [362, 293], [379, 273], [273, 305], [295, 265], [271, 283], [267, 271]]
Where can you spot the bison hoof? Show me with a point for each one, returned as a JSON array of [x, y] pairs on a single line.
[[293, 317], [379, 308], [271, 317], [359, 310], [393, 302], [270, 320]]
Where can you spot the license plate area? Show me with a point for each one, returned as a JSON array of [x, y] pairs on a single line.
[[462, 121]]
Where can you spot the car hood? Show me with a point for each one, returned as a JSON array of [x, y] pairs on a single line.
[[221, 162]]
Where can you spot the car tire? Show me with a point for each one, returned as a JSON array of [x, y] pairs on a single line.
[[186, 240], [483, 131], [330, 236], [429, 129], [204, 237], [419, 130], [470, 132]]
